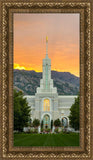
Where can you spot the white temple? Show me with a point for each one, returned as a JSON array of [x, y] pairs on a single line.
[[46, 104]]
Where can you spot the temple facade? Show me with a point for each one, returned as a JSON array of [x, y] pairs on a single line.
[[46, 104]]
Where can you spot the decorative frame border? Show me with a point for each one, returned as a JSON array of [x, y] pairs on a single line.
[[8, 8]]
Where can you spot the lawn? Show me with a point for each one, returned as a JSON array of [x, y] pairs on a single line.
[[24, 139]]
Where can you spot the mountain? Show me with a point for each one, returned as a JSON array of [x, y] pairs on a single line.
[[28, 81]]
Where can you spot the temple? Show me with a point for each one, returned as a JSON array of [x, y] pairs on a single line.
[[46, 104]]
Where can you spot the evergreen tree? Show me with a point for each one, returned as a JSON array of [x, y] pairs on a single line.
[[42, 124], [21, 111], [51, 124], [74, 114]]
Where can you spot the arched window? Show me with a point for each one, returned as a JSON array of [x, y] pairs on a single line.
[[46, 105], [46, 121], [64, 122]]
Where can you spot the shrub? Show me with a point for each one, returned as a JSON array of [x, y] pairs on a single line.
[[36, 123], [56, 130], [47, 130], [57, 123], [42, 129], [35, 130]]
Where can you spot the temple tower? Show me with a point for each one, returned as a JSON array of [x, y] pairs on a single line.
[[46, 83]]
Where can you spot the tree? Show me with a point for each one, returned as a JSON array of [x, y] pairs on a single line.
[[74, 114], [42, 124], [51, 124], [21, 111], [36, 122], [57, 123]]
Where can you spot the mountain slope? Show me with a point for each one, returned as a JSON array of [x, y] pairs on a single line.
[[28, 81]]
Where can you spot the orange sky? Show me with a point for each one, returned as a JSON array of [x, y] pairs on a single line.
[[30, 31]]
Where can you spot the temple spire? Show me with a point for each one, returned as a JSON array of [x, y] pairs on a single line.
[[46, 46]]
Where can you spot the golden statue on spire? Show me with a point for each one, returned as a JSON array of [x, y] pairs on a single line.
[[46, 38]]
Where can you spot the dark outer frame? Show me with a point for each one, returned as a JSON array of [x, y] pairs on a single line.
[[8, 8]]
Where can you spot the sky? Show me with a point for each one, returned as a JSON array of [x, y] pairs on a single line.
[[30, 31]]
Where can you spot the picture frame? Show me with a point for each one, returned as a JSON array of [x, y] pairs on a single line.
[[7, 9]]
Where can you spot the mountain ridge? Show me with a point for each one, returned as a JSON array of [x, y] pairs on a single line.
[[28, 81]]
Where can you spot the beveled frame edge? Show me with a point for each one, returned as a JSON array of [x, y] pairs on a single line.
[[11, 148], [12, 12], [87, 97]]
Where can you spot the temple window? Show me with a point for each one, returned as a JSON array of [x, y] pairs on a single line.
[[46, 105]]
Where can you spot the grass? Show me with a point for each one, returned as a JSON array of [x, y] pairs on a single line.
[[24, 139]]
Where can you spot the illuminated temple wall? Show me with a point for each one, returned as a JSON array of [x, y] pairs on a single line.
[[56, 108]]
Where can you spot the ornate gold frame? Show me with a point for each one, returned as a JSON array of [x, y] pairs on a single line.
[[7, 9]]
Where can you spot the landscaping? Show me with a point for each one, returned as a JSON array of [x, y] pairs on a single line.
[[60, 139]]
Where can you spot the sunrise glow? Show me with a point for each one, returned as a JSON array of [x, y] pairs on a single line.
[[20, 67], [30, 31]]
